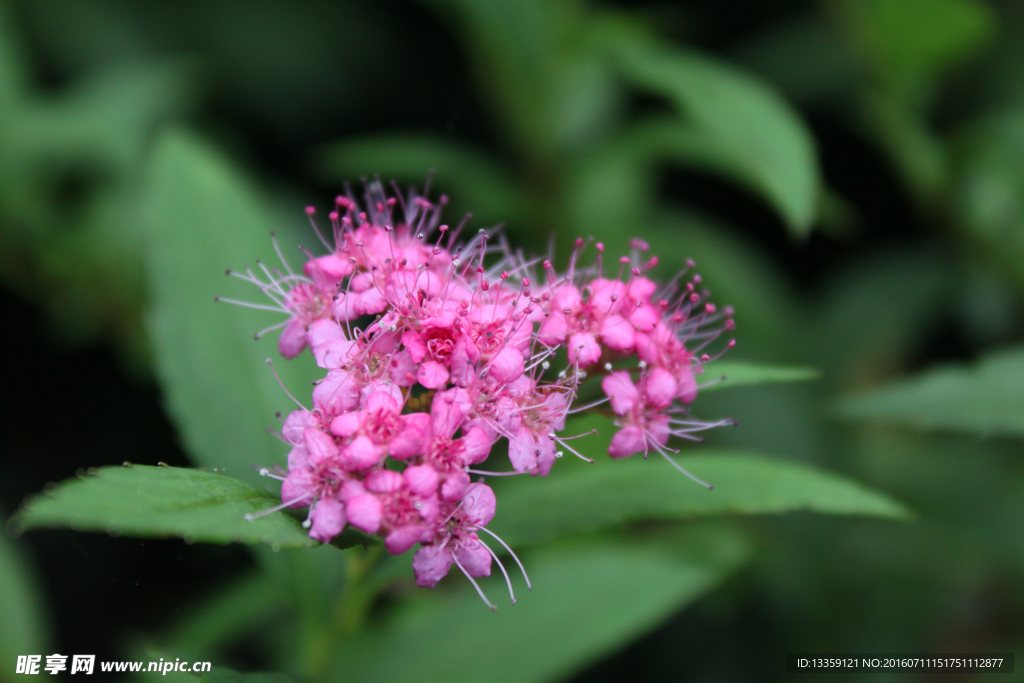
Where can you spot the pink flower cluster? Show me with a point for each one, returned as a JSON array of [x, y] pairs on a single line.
[[434, 351]]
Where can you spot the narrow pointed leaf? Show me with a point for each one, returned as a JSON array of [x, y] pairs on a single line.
[[732, 123], [739, 373], [986, 398], [153, 502], [202, 218], [582, 497], [588, 599]]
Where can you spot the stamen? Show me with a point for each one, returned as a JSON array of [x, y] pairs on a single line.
[[278, 378], [246, 304], [508, 581], [494, 608], [679, 467], [587, 408], [250, 516], [510, 552], [573, 450], [268, 329]]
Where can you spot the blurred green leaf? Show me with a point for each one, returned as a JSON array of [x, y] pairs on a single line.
[[14, 73], [95, 132], [908, 40], [351, 537], [22, 619], [153, 502], [739, 374], [476, 181], [990, 198], [69, 169], [734, 124], [202, 217], [589, 599], [986, 399], [510, 46], [905, 134], [580, 497]]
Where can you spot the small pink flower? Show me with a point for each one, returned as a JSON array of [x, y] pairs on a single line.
[[380, 428], [476, 329], [328, 516], [457, 540], [401, 506], [643, 426], [449, 456]]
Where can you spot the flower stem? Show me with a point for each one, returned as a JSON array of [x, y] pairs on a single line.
[[349, 613]]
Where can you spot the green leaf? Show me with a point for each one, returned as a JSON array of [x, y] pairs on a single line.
[[733, 124], [739, 374], [990, 196], [153, 502], [907, 40], [221, 674], [986, 398], [476, 182], [202, 217], [919, 154], [22, 619], [588, 599], [581, 497]]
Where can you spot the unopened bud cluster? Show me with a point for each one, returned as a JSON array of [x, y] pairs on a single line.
[[436, 349]]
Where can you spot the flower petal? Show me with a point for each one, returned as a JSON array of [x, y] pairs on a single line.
[[364, 512], [421, 480], [360, 454], [328, 519], [479, 504], [626, 442], [432, 374], [292, 339], [583, 349], [619, 387], [431, 564], [507, 365], [413, 438], [617, 334], [660, 388], [473, 557], [403, 538]]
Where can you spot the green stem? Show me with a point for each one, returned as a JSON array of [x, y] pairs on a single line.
[[349, 613]]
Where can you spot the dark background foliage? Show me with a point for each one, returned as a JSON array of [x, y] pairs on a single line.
[[912, 258]]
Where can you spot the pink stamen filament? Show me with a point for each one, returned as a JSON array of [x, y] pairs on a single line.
[[508, 581], [479, 591], [510, 552]]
